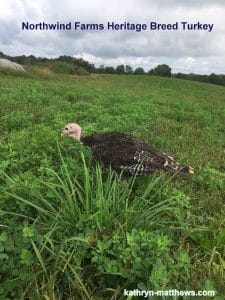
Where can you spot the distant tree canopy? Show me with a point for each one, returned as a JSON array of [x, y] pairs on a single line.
[[109, 70], [218, 79], [78, 65], [120, 69], [161, 70], [128, 69], [139, 71]]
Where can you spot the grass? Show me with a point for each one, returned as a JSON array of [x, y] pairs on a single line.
[[70, 230]]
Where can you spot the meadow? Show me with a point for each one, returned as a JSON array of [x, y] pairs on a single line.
[[71, 230]]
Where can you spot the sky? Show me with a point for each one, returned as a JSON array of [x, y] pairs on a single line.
[[186, 51]]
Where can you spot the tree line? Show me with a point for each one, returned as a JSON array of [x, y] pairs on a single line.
[[160, 70], [213, 78]]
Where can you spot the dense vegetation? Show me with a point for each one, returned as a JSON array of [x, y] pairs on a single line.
[[70, 230], [72, 65], [213, 78]]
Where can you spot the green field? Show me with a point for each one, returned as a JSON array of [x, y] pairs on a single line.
[[70, 230]]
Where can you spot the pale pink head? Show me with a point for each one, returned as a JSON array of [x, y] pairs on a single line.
[[72, 130]]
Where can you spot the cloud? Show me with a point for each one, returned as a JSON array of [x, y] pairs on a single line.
[[146, 48]]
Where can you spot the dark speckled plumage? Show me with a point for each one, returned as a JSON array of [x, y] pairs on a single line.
[[129, 154]]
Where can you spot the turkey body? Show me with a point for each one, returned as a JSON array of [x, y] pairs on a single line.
[[127, 154]]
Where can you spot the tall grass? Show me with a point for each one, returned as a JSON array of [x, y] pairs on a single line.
[[72, 213]]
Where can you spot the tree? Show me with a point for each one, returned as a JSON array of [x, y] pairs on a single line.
[[120, 69], [213, 78], [161, 70], [139, 71], [109, 70], [151, 72], [180, 75], [101, 69], [128, 69], [65, 58]]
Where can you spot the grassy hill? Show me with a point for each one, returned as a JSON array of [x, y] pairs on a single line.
[[69, 228]]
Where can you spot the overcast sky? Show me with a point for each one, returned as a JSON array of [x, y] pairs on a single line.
[[185, 51]]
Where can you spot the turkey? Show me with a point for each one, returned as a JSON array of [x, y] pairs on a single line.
[[125, 153]]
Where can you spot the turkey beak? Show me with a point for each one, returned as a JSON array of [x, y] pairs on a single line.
[[62, 133]]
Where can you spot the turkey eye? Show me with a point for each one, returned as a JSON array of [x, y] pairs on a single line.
[[66, 128]]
